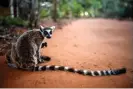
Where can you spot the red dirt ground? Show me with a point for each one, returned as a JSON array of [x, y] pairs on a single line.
[[85, 44]]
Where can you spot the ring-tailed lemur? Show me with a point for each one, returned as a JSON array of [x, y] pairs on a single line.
[[25, 54]]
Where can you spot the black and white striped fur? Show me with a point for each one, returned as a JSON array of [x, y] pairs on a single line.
[[15, 61], [79, 71]]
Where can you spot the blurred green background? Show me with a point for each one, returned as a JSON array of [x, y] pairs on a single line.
[[28, 12], [90, 8]]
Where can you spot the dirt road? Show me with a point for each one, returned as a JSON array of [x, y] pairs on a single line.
[[86, 44]]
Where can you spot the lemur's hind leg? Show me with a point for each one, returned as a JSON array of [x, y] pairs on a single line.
[[11, 65], [11, 54], [8, 58], [42, 59], [45, 58], [11, 57], [9, 61]]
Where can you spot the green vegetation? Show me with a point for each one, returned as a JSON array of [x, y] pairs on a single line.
[[93, 8], [8, 21], [59, 9]]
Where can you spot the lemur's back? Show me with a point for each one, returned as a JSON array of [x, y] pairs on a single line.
[[27, 45], [27, 42]]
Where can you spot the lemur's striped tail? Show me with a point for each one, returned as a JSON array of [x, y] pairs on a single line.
[[83, 72]]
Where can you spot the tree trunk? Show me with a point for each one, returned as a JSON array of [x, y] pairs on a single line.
[[34, 14], [11, 9], [17, 9]]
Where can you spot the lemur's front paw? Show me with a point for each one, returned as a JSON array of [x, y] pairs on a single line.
[[44, 44]]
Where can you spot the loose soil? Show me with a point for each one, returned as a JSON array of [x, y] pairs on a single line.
[[85, 44]]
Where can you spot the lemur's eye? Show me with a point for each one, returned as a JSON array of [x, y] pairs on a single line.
[[45, 32], [50, 32]]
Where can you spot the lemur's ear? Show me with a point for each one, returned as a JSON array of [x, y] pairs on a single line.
[[53, 28], [41, 28]]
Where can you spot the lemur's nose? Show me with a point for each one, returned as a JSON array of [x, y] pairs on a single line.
[[49, 37]]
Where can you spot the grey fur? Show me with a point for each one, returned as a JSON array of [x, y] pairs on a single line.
[[25, 53]]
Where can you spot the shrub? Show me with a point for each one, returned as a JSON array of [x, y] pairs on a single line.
[[8, 21]]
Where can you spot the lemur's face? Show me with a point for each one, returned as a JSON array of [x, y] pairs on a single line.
[[47, 31]]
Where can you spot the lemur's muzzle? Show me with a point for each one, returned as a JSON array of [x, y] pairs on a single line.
[[48, 37]]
